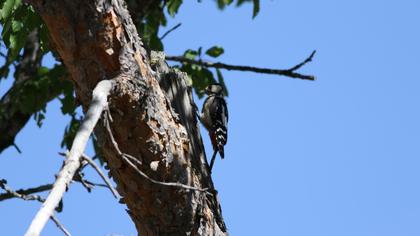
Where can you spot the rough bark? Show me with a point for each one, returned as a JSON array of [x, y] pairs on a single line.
[[153, 122], [74, 157]]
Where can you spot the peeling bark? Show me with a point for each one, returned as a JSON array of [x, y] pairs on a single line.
[[153, 116]]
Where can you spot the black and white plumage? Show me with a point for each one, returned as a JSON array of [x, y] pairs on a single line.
[[214, 117]]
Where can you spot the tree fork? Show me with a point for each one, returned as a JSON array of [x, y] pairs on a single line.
[[152, 112]]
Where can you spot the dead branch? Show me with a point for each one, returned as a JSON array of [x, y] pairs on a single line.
[[102, 175], [38, 198], [127, 158], [72, 163], [170, 30], [42, 188], [219, 65], [60, 225], [3, 185]]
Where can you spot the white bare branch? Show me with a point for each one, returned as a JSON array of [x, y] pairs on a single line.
[[72, 163]]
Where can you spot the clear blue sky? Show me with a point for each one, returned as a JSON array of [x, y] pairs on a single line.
[[335, 157]]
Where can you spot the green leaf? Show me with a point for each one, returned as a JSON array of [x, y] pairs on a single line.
[[8, 7], [70, 132], [20, 22], [221, 81], [173, 7], [256, 8], [16, 26], [215, 51], [155, 43], [190, 54], [239, 2], [42, 71], [149, 29], [16, 43], [5, 33], [199, 51], [201, 78], [221, 4], [34, 94], [43, 36], [68, 104]]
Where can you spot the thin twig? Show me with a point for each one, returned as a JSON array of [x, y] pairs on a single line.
[[108, 118], [103, 176], [17, 148], [213, 158], [38, 198], [2, 54], [170, 30], [72, 163], [28, 191], [79, 178], [309, 59], [219, 65], [144, 175], [3, 185], [97, 184], [42, 188], [59, 225]]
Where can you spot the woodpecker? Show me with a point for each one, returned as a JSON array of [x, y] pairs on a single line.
[[214, 117]]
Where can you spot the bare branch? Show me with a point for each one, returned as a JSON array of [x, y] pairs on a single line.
[[144, 175], [78, 177], [18, 195], [219, 65], [103, 176], [308, 59], [17, 148], [42, 188], [59, 225], [97, 184], [108, 118], [28, 191], [72, 163], [170, 30], [213, 158], [34, 198]]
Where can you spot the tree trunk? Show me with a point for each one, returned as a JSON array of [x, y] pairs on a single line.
[[153, 116]]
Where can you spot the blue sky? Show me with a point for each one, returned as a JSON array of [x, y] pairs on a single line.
[[338, 156]]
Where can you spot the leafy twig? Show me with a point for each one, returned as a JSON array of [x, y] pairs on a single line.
[[219, 65]]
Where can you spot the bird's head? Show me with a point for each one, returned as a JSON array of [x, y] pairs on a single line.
[[214, 89]]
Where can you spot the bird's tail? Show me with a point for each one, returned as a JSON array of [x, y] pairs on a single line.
[[221, 140], [221, 150]]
